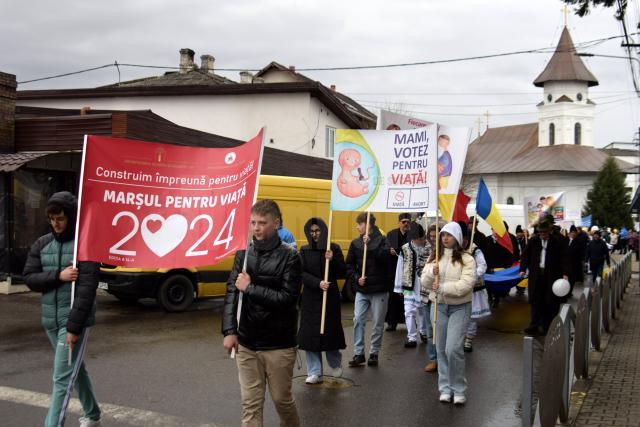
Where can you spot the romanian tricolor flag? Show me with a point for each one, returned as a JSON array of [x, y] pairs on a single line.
[[487, 210]]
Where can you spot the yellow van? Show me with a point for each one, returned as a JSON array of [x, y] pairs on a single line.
[[174, 289]]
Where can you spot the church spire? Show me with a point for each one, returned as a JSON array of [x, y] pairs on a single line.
[[565, 65]]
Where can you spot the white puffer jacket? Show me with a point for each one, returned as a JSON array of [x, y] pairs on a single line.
[[456, 281]]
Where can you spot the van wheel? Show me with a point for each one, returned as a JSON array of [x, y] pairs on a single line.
[[175, 293], [348, 293]]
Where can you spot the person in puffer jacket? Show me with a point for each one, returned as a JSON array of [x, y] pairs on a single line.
[[456, 272], [48, 270]]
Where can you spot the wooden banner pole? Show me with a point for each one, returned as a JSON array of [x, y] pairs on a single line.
[[249, 235], [473, 229], [437, 278], [326, 275], [364, 255]]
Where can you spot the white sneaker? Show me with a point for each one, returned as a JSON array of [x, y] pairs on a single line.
[[459, 400], [88, 422], [313, 379], [335, 372], [445, 398]]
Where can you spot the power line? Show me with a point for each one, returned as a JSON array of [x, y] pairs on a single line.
[[364, 101], [340, 68], [433, 113], [68, 74]]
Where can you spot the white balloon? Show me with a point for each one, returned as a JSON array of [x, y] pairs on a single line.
[[561, 288]]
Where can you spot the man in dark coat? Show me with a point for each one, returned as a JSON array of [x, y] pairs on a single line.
[[577, 250], [597, 254], [546, 258], [372, 289], [265, 334], [313, 258], [49, 270], [396, 239]]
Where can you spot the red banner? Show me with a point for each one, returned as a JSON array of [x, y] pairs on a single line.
[[152, 205]]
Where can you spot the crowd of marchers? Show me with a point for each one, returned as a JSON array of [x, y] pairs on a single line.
[[429, 277]]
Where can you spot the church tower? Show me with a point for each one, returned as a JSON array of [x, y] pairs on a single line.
[[566, 114]]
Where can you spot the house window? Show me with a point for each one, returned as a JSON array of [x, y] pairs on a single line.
[[330, 139], [509, 200], [552, 134], [577, 134]]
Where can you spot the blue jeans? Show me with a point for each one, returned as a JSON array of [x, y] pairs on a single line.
[[431, 348], [453, 321], [314, 361], [378, 304], [62, 375]]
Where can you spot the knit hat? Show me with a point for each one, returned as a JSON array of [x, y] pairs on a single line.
[[454, 229], [519, 229], [573, 229]]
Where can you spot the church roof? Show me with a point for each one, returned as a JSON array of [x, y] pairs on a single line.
[[565, 65], [515, 149]]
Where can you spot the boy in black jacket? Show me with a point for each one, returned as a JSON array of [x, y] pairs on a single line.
[[265, 338], [372, 289], [597, 254]]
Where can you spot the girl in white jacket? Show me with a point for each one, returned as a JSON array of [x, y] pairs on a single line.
[[456, 270]]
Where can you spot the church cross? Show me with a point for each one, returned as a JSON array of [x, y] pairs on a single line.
[[565, 11], [479, 123]]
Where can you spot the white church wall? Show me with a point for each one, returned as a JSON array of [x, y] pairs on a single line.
[[565, 115], [520, 185]]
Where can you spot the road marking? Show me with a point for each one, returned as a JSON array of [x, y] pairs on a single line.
[[119, 413]]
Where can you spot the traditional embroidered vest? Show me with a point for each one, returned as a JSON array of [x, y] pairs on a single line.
[[410, 266]]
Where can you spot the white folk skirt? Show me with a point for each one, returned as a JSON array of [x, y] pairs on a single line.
[[480, 304]]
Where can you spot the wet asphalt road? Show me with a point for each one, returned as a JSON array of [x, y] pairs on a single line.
[[174, 365]]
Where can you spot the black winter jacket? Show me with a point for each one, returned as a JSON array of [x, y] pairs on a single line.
[[378, 263], [598, 252], [269, 316]]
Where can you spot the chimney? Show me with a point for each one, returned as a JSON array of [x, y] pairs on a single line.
[[333, 88], [7, 112], [292, 68], [246, 77], [186, 60], [207, 63]]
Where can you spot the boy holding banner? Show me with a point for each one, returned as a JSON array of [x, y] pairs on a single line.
[[372, 288], [48, 270], [265, 336]]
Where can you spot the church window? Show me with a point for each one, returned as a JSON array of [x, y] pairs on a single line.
[[509, 200], [579, 97], [577, 133], [552, 134], [549, 97]]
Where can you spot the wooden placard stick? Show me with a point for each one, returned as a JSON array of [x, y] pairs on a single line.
[[364, 255], [326, 275]]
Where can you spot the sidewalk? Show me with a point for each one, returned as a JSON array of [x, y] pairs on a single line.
[[614, 396]]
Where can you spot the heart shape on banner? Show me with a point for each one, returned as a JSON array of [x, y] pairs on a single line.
[[170, 234]]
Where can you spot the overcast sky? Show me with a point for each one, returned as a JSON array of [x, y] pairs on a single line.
[[43, 38]]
